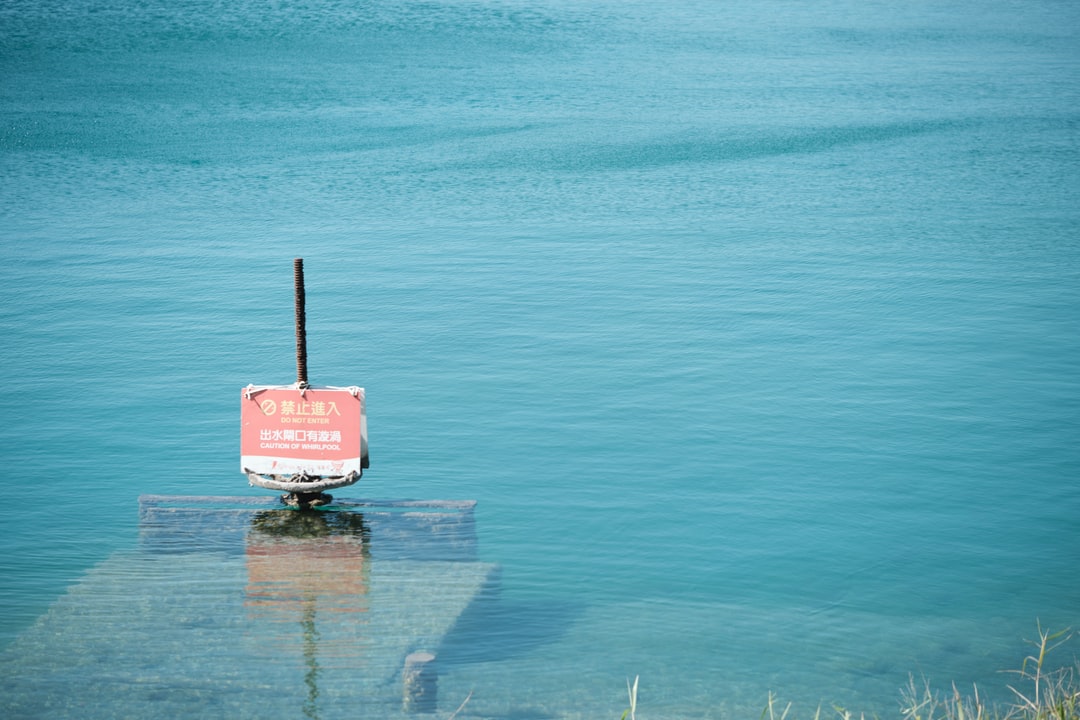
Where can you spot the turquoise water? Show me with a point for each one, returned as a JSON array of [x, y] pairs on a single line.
[[754, 329]]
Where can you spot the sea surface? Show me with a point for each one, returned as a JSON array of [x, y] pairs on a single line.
[[753, 328]]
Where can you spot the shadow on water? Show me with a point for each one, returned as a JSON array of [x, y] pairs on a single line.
[[493, 629]]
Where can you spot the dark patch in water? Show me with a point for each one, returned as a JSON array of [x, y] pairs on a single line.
[[492, 629], [707, 147]]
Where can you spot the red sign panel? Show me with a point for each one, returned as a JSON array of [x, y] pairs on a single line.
[[317, 431]]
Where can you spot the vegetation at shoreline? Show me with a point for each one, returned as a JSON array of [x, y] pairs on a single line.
[[1038, 694]]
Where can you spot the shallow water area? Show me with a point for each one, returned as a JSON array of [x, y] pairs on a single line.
[[241, 608]]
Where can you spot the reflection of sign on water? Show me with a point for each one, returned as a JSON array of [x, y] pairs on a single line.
[[296, 558], [301, 567], [314, 431]]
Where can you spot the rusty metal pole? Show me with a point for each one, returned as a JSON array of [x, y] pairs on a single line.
[[301, 321]]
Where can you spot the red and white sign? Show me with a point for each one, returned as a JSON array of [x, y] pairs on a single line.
[[318, 430]]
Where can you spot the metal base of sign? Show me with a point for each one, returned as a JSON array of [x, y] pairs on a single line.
[[301, 483]]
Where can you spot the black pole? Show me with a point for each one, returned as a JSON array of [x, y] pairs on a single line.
[[301, 320]]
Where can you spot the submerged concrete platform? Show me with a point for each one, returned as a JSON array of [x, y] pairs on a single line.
[[235, 607]]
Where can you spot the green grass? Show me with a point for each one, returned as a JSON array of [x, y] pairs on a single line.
[[1038, 694], [632, 692]]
